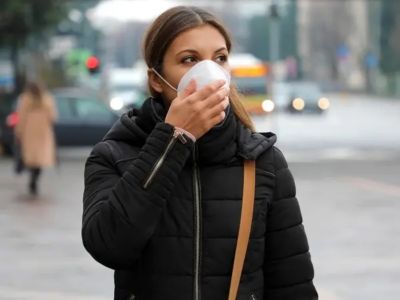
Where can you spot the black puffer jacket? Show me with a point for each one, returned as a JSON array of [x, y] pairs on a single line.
[[165, 214]]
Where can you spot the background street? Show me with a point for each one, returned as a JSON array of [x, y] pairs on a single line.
[[346, 166]]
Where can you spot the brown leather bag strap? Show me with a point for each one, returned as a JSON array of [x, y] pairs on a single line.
[[249, 185]]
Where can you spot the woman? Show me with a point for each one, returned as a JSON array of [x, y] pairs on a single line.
[[163, 189], [34, 131]]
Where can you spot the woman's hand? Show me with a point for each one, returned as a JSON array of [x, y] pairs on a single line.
[[199, 111]]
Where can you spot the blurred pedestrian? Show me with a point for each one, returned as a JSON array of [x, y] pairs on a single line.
[[34, 131], [163, 190]]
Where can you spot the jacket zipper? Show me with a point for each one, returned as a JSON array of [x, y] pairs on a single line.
[[197, 219], [176, 135]]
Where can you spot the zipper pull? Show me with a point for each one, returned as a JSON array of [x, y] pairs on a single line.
[[179, 135]]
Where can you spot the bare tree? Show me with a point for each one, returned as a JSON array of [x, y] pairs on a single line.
[[330, 25]]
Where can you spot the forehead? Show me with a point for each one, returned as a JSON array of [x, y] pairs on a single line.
[[204, 37]]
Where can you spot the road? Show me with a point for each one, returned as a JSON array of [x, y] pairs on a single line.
[[346, 166]]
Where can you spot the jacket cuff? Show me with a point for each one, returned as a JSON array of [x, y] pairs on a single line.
[[160, 161]]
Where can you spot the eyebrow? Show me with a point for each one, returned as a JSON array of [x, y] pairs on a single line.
[[195, 51]]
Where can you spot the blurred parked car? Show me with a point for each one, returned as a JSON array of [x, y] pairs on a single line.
[[125, 88], [83, 119], [299, 96]]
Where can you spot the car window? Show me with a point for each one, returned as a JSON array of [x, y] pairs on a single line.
[[91, 109], [64, 108], [306, 90], [7, 104]]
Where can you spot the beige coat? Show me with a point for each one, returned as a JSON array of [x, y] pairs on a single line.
[[35, 132]]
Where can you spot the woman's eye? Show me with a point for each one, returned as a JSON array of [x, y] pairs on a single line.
[[189, 59], [221, 59]]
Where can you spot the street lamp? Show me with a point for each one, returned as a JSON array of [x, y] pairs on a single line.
[[274, 31]]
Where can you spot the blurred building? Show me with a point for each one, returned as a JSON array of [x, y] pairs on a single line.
[[343, 44], [333, 38], [353, 43]]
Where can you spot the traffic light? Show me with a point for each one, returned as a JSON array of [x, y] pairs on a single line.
[[93, 64]]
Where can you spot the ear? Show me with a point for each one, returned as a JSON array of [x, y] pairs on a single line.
[[154, 81]]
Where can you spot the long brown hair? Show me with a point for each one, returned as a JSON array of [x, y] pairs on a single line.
[[167, 27], [36, 93]]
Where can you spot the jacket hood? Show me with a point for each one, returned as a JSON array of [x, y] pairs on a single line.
[[221, 143], [253, 144]]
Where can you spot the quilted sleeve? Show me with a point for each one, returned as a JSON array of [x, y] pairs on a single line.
[[288, 270], [121, 213]]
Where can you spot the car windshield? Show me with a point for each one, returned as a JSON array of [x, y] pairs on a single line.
[[91, 108], [81, 107], [64, 108]]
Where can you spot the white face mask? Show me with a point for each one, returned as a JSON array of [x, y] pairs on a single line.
[[203, 73]]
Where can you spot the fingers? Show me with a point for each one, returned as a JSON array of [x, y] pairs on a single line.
[[219, 108], [214, 105], [204, 108], [189, 89], [208, 90], [217, 98], [217, 119]]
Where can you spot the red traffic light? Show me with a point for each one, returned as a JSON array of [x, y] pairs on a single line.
[[92, 63]]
